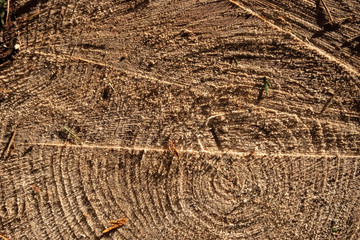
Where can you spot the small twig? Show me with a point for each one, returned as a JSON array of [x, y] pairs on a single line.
[[72, 134], [208, 119], [11, 141], [346, 19], [356, 38], [8, 13], [173, 149], [111, 87], [327, 10], [4, 238], [4, 90], [115, 224], [237, 63]]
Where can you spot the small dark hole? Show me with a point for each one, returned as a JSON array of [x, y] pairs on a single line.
[[106, 93]]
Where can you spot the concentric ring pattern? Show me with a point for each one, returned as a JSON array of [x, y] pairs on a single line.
[[168, 124]]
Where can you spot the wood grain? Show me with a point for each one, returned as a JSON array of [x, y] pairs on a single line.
[[239, 166]]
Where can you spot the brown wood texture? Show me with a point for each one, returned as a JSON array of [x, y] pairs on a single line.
[[138, 110]]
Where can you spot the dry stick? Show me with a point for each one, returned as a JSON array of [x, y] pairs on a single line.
[[327, 10], [211, 117], [7, 150], [4, 238], [8, 13], [115, 224], [356, 38]]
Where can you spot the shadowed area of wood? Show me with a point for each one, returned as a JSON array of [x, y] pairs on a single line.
[[137, 110]]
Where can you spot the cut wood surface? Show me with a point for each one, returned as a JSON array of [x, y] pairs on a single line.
[[177, 132]]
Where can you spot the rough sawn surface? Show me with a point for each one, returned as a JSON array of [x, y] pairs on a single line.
[[130, 77]]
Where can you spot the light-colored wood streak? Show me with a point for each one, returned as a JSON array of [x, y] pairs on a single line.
[[190, 151]]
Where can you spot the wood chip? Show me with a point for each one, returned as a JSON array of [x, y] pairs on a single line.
[[36, 189], [173, 149], [1, 236], [116, 224]]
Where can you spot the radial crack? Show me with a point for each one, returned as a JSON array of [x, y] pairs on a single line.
[[191, 151]]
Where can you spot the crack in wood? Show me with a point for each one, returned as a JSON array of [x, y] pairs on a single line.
[[190, 151]]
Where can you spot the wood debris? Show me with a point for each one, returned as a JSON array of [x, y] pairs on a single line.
[[8, 148], [173, 149], [266, 85], [4, 238], [328, 12], [115, 224], [236, 61], [73, 134], [111, 87], [7, 13], [36, 189]]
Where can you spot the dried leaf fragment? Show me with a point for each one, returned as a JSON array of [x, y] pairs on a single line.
[[116, 224]]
